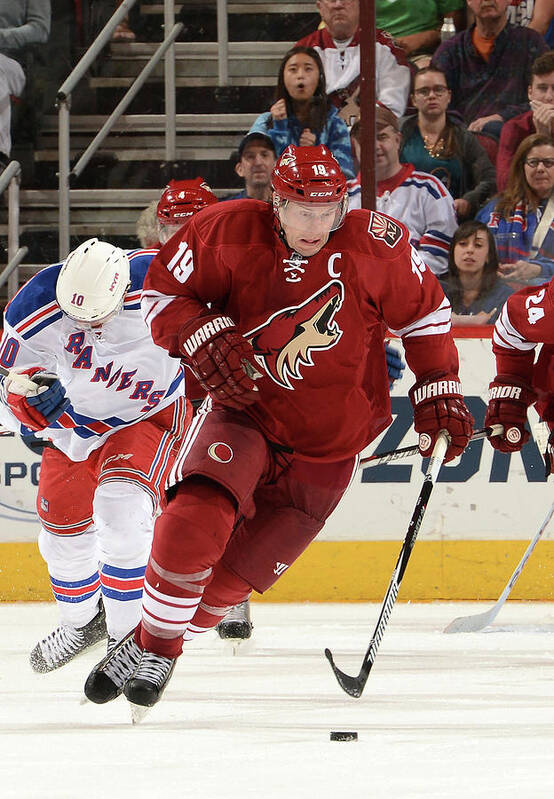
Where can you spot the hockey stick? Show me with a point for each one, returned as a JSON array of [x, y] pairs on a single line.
[[354, 686], [28, 385], [471, 624], [380, 458]]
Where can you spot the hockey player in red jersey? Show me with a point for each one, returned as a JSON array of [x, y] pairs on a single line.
[[180, 200], [527, 320], [280, 313]]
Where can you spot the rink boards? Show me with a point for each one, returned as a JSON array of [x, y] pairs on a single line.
[[483, 511]]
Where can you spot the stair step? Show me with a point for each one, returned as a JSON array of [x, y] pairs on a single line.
[[244, 7], [145, 123], [180, 82], [255, 51]]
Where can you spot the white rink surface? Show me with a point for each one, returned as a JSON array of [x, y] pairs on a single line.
[[445, 716]]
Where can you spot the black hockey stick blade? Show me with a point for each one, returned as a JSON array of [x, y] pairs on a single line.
[[353, 686]]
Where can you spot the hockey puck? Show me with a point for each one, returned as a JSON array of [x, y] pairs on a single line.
[[343, 736]]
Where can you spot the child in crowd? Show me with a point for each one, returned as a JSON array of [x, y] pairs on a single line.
[[301, 113]]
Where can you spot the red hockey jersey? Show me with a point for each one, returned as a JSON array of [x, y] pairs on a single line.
[[527, 320], [316, 323]]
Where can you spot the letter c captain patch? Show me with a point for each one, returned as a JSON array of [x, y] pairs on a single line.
[[220, 452]]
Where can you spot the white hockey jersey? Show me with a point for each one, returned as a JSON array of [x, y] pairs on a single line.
[[113, 378], [422, 203], [342, 66]]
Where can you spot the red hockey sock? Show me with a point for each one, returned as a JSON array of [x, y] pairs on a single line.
[[189, 538], [225, 590]]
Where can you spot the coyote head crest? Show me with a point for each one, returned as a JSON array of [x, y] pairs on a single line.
[[286, 341]]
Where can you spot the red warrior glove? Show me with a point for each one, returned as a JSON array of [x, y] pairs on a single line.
[[438, 405], [221, 359], [509, 399], [39, 403]]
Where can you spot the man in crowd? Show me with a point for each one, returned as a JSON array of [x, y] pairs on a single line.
[[255, 162], [540, 119], [416, 28], [338, 44], [22, 25], [417, 199], [487, 67], [279, 311]]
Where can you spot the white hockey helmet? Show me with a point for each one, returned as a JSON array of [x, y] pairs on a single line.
[[92, 282]]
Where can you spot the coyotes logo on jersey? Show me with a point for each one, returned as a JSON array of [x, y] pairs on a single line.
[[285, 342]]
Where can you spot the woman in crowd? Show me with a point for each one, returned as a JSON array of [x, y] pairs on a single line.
[[437, 142], [520, 218], [301, 113], [473, 287]]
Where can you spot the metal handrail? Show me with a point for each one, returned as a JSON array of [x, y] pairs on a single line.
[[13, 264], [129, 96], [166, 50], [10, 179], [65, 174]]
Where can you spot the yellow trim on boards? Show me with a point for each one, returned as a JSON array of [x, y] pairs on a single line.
[[354, 571]]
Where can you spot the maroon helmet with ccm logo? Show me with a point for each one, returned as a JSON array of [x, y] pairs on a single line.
[[309, 175], [180, 200]]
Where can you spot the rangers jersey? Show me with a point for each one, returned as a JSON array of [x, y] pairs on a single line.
[[422, 203], [341, 62], [114, 377], [527, 320], [316, 323]]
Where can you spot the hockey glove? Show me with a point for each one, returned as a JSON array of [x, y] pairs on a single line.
[[438, 404], [36, 407], [221, 359], [509, 399], [395, 364]]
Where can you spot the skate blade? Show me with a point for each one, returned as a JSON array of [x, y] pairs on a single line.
[[138, 712], [238, 646]]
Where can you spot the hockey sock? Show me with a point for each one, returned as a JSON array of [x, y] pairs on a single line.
[[225, 590], [189, 538]]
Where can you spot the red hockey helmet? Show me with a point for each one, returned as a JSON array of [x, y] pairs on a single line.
[[180, 200], [309, 175]]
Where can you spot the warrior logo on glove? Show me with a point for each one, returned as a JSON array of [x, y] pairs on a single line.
[[439, 405]]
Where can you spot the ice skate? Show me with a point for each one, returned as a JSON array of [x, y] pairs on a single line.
[[148, 683], [106, 680], [66, 642], [236, 624]]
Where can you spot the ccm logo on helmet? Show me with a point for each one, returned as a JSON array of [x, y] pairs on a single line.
[[321, 194]]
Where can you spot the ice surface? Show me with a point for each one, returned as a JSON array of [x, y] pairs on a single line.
[[445, 716]]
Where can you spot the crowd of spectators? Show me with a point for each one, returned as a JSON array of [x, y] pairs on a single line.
[[464, 126]]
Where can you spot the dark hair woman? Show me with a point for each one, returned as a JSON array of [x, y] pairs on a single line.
[[521, 218], [437, 142], [473, 287], [301, 113]]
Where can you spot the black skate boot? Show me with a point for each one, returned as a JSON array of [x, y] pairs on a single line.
[[106, 680], [148, 683], [65, 643], [236, 623]]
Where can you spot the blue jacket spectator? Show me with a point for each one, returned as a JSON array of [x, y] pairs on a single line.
[[302, 114]]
